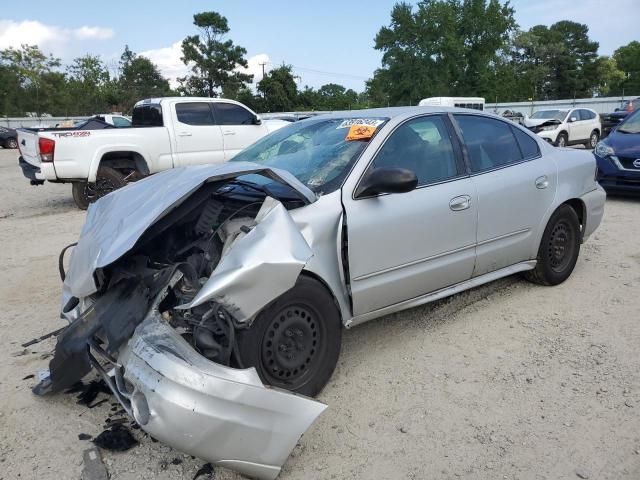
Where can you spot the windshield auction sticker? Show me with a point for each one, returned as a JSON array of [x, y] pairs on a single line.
[[369, 122]]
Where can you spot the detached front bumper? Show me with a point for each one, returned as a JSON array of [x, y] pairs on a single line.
[[220, 414]]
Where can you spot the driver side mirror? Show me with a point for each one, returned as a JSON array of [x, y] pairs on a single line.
[[573, 119], [387, 180], [257, 120]]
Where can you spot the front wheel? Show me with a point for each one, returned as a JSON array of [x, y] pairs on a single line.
[[562, 140], [559, 248], [294, 343], [593, 140], [107, 180]]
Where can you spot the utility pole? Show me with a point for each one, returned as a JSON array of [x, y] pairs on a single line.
[[262, 65]]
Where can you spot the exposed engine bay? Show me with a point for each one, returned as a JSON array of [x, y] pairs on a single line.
[[175, 257]]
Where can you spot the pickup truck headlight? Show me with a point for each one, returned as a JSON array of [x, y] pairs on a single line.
[[603, 150]]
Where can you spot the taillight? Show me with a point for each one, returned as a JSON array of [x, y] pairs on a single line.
[[47, 147], [630, 106]]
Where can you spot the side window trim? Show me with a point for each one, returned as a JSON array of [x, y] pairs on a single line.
[[456, 151], [466, 153]]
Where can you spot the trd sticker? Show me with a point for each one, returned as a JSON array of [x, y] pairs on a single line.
[[80, 133]]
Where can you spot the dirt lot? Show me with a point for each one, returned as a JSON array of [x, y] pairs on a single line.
[[508, 381]]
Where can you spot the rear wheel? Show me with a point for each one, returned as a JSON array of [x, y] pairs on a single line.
[[11, 143], [562, 140], [107, 180], [559, 248], [294, 342]]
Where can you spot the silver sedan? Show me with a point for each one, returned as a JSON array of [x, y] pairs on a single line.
[[213, 298]]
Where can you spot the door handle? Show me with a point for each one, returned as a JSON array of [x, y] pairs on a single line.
[[542, 182], [185, 134], [228, 132], [461, 202]]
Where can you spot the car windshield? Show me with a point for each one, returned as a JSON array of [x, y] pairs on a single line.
[[550, 114], [317, 152], [631, 124]]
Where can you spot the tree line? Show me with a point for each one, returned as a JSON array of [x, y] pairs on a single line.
[[436, 48]]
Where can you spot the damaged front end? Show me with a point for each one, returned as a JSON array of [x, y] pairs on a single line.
[[167, 272]]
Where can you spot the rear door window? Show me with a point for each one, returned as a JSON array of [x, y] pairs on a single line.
[[194, 113], [232, 114], [490, 143]]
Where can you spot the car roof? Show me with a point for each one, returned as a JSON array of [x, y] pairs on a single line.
[[392, 112]]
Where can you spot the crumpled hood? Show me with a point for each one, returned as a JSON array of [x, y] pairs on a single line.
[[534, 122], [116, 222]]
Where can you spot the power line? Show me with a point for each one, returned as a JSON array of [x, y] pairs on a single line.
[[324, 72]]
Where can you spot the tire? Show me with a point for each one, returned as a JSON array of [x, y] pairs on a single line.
[[559, 248], [593, 140], [107, 180], [562, 140], [11, 143], [294, 343]]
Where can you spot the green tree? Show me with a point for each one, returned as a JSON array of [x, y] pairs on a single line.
[[336, 97], [88, 84], [557, 62], [609, 76], [30, 66], [11, 96], [441, 48], [279, 90], [627, 60], [139, 78], [213, 59]]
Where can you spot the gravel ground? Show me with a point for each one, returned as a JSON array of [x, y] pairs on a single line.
[[507, 381]]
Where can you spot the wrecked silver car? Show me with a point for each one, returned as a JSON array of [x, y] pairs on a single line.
[[212, 298]]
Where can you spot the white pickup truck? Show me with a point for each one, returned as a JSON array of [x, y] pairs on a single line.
[[165, 133]]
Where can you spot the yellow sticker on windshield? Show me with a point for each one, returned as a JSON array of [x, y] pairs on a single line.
[[360, 132]]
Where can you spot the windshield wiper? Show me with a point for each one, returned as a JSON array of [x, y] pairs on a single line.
[[623, 130]]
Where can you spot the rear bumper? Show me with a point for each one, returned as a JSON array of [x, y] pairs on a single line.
[[221, 414], [31, 172], [594, 202]]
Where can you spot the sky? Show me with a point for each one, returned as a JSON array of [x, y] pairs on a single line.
[[330, 41]]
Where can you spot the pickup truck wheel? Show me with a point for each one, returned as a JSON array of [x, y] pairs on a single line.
[[294, 343], [107, 180], [559, 248], [11, 143]]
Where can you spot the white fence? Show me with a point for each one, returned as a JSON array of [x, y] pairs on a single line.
[[599, 104]]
